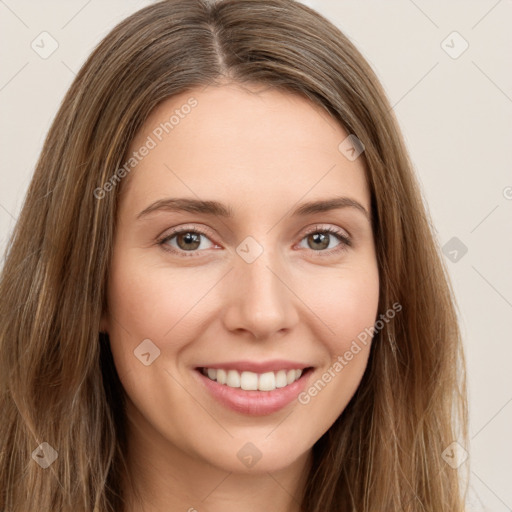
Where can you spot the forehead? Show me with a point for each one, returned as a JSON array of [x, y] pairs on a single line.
[[243, 145]]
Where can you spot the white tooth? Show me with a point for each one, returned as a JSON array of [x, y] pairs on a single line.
[[221, 376], [267, 381], [281, 380], [233, 379], [249, 381]]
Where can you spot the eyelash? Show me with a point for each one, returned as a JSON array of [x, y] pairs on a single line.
[[343, 246]]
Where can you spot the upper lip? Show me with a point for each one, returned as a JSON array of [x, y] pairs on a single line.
[[258, 367]]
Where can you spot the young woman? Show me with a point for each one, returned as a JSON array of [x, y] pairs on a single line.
[[223, 291]]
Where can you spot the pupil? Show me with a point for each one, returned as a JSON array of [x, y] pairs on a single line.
[[322, 239], [188, 239]]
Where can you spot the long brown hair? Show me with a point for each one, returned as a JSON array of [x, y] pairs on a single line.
[[58, 381]]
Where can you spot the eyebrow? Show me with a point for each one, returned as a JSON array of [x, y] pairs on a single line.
[[215, 208]]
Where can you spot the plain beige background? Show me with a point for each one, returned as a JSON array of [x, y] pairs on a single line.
[[454, 105]]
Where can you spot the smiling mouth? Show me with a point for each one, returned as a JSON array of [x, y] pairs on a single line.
[[251, 381]]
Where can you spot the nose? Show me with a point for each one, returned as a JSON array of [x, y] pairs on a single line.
[[261, 300]]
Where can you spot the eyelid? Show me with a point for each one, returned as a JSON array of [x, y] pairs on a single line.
[[189, 227], [183, 229], [343, 233], [343, 237]]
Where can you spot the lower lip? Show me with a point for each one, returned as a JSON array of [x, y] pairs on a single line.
[[255, 403]]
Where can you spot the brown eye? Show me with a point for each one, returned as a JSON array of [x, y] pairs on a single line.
[[318, 241], [188, 241], [192, 241]]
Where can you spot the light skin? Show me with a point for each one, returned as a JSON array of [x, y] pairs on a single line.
[[305, 298]]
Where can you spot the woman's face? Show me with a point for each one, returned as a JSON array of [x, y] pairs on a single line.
[[218, 264]]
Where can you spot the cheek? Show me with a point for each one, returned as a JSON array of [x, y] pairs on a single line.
[[357, 309], [148, 301], [349, 308], [143, 304], [346, 303]]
